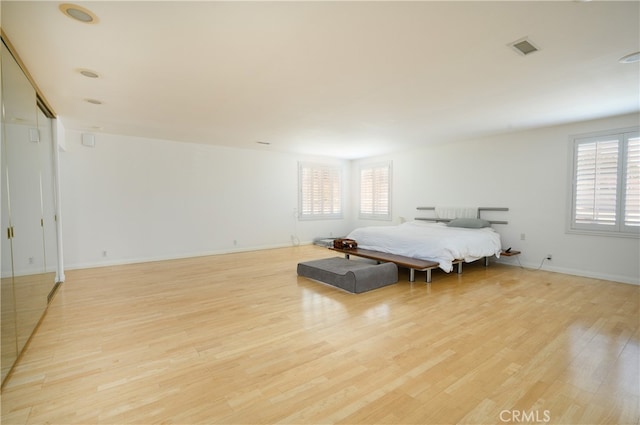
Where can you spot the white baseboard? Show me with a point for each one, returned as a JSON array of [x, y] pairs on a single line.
[[574, 272], [124, 261]]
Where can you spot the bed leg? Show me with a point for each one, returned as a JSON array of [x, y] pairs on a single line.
[[486, 261], [428, 278], [412, 275], [460, 267]]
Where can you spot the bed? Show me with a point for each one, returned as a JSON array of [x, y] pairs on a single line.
[[444, 240]]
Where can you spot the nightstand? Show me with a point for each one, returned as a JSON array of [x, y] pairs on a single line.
[[510, 253]]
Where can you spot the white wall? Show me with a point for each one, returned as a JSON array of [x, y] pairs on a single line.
[[140, 200], [528, 172]]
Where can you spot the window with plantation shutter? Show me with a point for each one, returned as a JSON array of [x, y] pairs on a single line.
[[632, 182], [606, 183], [375, 191], [320, 187]]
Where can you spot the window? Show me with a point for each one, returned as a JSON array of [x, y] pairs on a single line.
[[375, 191], [320, 188], [606, 183]]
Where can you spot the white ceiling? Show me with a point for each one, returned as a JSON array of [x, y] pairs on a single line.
[[343, 79]]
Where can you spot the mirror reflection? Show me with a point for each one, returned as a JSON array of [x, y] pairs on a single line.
[[28, 211]]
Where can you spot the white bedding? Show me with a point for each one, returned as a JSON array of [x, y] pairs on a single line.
[[430, 241]]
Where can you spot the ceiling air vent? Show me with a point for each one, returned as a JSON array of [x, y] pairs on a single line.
[[524, 46]]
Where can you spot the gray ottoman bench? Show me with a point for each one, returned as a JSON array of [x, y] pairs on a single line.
[[350, 275]]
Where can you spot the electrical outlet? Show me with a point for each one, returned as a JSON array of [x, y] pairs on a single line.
[[549, 257], [104, 253], [522, 236]]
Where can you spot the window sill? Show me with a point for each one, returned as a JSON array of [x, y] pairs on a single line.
[[632, 235]]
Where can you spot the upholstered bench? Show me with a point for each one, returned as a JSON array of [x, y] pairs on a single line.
[[352, 276]]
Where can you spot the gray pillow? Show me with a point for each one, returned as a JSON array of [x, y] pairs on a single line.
[[469, 223]]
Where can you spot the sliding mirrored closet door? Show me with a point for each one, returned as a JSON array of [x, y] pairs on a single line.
[[29, 244]]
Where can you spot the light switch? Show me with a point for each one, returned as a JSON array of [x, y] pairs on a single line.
[[34, 135]]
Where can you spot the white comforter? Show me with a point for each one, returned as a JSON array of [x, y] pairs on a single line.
[[430, 241]]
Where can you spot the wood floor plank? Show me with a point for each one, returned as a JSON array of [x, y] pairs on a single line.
[[240, 338]]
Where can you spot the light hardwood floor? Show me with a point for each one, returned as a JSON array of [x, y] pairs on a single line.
[[240, 338]]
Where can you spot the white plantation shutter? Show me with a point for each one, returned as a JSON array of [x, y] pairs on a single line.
[[632, 182], [320, 188], [596, 182], [606, 188], [375, 191]]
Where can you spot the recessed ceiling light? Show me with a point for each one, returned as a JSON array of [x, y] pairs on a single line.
[[88, 73], [632, 58], [78, 13], [93, 101]]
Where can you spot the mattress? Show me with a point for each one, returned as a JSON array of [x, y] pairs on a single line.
[[430, 241]]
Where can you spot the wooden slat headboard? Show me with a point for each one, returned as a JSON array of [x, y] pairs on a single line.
[[480, 210]]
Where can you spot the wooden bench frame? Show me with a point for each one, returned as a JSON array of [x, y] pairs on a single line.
[[412, 264]]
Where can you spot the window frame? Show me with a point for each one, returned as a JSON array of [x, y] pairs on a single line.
[[619, 229], [376, 215], [337, 182]]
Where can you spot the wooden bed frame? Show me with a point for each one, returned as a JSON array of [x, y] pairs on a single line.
[[416, 264], [412, 264]]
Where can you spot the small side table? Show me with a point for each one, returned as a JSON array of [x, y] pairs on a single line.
[[510, 253]]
